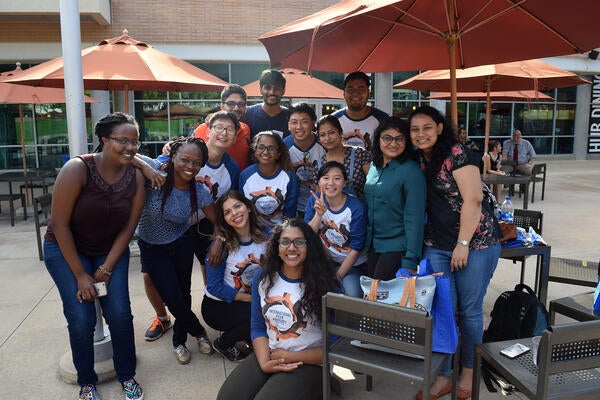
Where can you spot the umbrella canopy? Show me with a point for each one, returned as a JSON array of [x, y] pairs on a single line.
[[123, 63], [408, 35], [529, 74], [299, 84], [11, 93], [528, 95]]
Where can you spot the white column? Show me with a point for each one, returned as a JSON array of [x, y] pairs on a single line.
[[383, 91], [71, 46], [582, 121]]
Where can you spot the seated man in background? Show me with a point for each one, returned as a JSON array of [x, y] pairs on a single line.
[[520, 151]]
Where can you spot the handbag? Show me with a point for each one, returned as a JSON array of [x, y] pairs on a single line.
[[509, 232], [406, 291]]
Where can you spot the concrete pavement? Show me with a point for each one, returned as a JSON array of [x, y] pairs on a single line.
[[33, 334]]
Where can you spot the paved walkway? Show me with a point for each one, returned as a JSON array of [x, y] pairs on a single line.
[[33, 334]]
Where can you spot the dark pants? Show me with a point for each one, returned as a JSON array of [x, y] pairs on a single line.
[[384, 265], [248, 382], [170, 269], [202, 233], [231, 318]]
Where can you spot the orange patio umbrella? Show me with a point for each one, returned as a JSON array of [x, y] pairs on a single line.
[[300, 84], [511, 95], [529, 74], [410, 35], [20, 94], [123, 63]]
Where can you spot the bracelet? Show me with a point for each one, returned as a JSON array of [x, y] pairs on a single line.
[[219, 237], [104, 270], [463, 242]]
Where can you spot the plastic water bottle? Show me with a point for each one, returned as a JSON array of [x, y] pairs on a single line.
[[507, 211]]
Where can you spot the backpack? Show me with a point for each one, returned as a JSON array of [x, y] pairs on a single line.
[[516, 314]]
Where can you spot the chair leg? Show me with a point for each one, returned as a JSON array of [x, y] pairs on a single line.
[[12, 213], [523, 271], [369, 383], [543, 186], [533, 190], [24, 204]]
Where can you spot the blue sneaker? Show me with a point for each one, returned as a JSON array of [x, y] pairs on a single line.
[[132, 390], [88, 392]]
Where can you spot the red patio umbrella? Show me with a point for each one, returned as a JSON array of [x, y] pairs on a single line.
[[11, 93], [409, 35], [513, 95], [533, 74], [300, 84], [123, 63]]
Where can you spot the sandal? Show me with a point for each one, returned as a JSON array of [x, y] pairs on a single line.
[[445, 390]]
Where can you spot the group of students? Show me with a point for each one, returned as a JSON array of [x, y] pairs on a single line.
[[309, 215]]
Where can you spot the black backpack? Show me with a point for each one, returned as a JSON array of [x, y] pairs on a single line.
[[516, 314]]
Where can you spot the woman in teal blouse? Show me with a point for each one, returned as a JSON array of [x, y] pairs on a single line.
[[395, 193]]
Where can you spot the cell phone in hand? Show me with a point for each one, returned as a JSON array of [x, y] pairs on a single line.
[[101, 289], [515, 350]]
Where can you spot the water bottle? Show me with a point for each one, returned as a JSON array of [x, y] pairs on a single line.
[[507, 211]]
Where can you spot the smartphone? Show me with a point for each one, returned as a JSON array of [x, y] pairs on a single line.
[[100, 289], [515, 350]]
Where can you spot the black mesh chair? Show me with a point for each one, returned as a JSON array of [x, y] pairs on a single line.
[[404, 333], [524, 219], [41, 206], [568, 363], [44, 185]]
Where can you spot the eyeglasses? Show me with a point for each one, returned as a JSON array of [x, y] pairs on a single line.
[[387, 139], [271, 149], [187, 161], [360, 89], [298, 243], [232, 104], [125, 142], [220, 129]]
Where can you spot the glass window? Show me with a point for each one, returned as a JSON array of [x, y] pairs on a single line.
[[565, 120], [243, 74], [535, 119], [220, 70], [564, 94]]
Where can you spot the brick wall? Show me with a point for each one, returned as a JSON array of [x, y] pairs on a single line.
[[178, 21]]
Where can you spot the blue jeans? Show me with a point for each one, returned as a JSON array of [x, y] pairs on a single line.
[[81, 317], [468, 287], [170, 269], [351, 281]]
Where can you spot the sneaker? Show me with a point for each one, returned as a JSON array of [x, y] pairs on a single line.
[[231, 353], [157, 329], [204, 345], [88, 392], [183, 354], [132, 390]]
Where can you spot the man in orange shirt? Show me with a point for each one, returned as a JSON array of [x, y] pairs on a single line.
[[233, 99]]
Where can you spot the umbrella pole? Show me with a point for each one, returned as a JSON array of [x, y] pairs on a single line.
[[451, 42], [126, 99], [23, 154], [488, 113]]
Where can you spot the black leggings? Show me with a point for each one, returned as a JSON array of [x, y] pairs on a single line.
[[384, 265], [231, 318], [248, 382]]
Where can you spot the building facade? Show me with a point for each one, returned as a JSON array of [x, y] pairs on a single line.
[[220, 36]]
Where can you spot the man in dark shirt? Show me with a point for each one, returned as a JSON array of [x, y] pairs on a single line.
[[270, 115]]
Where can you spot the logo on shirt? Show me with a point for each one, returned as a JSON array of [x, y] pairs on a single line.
[[242, 278], [334, 236], [283, 317], [267, 202], [213, 188]]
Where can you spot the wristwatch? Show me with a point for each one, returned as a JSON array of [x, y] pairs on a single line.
[[463, 242]]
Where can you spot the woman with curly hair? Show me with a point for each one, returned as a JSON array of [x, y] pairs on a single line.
[[395, 193], [286, 319], [270, 182], [460, 237], [226, 303], [166, 242]]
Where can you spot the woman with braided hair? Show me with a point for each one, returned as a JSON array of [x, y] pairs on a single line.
[[167, 243], [96, 204]]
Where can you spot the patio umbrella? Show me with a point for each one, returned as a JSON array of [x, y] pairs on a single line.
[[300, 84], [409, 35], [20, 94], [512, 95], [529, 74], [123, 63]]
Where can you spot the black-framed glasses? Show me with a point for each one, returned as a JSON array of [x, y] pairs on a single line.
[[387, 139], [126, 142], [271, 149], [298, 243], [232, 104], [230, 130]]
